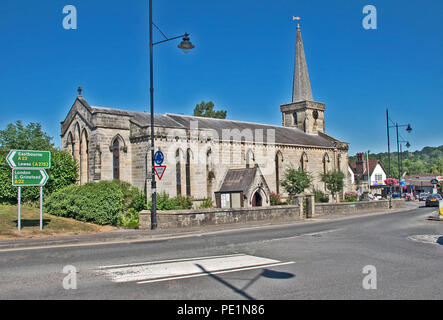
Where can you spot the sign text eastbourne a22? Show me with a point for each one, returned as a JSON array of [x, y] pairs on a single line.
[[29, 159]]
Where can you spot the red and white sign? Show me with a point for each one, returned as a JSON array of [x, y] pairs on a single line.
[[159, 171]]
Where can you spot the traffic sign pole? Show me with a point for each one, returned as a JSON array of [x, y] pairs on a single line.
[[41, 208], [19, 217]]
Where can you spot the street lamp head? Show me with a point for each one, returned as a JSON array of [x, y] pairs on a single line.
[[409, 128], [407, 145], [186, 45]]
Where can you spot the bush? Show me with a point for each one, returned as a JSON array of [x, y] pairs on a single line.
[[319, 196], [276, 200], [351, 197], [103, 203], [206, 204], [128, 219], [164, 202]]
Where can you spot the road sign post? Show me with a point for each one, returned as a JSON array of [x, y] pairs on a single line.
[[28, 170]]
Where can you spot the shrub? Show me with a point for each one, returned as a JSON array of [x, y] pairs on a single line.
[[164, 202], [319, 196], [276, 200], [183, 203], [206, 204], [104, 203], [351, 197], [99, 203], [128, 219]]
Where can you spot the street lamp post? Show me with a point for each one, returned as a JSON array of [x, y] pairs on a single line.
[[184, 45], [396, 126]]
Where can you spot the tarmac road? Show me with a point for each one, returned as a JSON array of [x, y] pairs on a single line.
[[318, 260]]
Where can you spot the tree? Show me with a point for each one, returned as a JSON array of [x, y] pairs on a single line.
[[206, 109], [31, 137], [334, 181], [296, 181]]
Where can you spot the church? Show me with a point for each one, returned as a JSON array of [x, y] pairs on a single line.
[[233, 163]]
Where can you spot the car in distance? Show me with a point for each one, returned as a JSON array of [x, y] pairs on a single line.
[[433, 200], [395, 195], [422, 196]]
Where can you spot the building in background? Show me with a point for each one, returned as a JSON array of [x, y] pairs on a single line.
[[358, 172]]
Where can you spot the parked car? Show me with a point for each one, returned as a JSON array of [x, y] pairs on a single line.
[[396, 195], [433, 200], [422, 196]]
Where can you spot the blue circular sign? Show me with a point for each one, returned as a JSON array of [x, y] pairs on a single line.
[[159, 158]]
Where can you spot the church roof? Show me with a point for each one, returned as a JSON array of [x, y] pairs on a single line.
[[238, 180], [283, 135]]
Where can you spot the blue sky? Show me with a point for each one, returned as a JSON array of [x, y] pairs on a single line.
[[243, 62]]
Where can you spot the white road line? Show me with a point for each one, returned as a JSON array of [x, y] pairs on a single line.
[[167, 261], [184, 268]]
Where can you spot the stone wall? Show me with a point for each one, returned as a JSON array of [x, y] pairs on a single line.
[[202, 217], [355, 207]]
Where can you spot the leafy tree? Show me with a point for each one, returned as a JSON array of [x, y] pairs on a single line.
[[334, 181], [30, 137], [296, 181], [429, 160], [206, 109]]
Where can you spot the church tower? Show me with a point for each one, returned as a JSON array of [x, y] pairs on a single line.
[[303, 113]]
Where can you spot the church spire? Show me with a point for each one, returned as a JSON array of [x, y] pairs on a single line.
[[302, 85]]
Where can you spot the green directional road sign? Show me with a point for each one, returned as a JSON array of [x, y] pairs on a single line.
[[29, 159], [29, 177]]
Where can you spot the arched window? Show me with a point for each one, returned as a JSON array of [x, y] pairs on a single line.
[[303, 161], [84, 163], [339, 163], [116, 159], [210, 177], [325, 163], [188, 173], [178, 174], [249, 158], [70, 144], [278, 169], [294, 118]]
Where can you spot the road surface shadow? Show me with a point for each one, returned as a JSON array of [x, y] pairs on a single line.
[[265, 273]]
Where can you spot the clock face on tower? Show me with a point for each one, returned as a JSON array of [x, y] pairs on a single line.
[[315, 114]]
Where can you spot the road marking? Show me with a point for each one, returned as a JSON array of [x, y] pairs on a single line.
[[156, 271]]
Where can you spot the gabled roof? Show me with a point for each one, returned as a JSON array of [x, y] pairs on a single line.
[[238, 180], [372, 165], [246, 130]]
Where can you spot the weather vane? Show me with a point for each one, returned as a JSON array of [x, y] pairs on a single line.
[[298, 20]]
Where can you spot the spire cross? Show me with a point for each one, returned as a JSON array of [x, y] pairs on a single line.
[[298, 20]]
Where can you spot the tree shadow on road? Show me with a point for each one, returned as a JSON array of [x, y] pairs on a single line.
[[265, 273]]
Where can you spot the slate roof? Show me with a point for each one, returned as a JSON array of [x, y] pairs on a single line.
[[372, 165], [237, 180], [283, 135]]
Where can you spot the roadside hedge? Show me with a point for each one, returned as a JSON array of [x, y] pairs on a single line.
[[103, 203]]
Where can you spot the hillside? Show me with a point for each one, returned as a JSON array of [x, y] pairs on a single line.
[[427, 160]]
